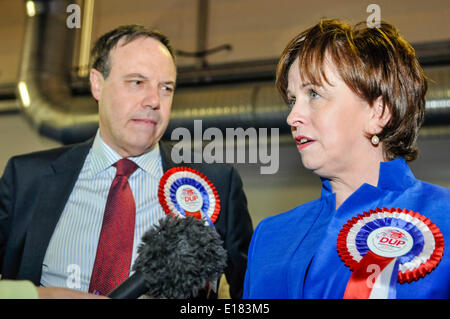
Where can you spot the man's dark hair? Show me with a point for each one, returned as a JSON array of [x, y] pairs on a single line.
[[102, 48]]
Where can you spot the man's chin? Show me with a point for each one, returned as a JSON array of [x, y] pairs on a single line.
[[138, 150], [135, 148]]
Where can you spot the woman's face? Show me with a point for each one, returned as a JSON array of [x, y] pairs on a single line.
[[328, 123]]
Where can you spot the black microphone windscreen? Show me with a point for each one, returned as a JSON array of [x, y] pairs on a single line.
[[179, 256]]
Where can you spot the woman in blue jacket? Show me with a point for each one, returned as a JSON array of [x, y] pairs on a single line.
[[357, 99]]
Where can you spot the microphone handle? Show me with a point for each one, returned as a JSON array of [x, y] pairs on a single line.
[[132, 288]]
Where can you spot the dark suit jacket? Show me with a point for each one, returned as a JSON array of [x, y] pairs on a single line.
[[34, 190]]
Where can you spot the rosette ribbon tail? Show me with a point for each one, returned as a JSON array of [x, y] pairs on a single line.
[[375, 277]]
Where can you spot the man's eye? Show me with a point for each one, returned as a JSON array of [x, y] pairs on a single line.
[[167, 88], [135, 82]]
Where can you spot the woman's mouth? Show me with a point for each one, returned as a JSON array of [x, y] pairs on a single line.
[[303, 141]]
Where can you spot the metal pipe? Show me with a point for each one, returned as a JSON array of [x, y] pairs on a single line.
[[44, 79], [233, 95]]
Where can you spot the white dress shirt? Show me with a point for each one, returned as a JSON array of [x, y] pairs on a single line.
[[70, 256]]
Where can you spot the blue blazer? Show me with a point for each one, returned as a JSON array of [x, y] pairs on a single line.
[[294, 254]]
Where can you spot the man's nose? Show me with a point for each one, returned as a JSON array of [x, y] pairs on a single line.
[[151, 98]]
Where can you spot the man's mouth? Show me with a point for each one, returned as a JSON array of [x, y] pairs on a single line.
[[145, 121]]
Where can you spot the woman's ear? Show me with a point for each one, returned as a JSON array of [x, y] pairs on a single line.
[[380, 115], [97, 80]]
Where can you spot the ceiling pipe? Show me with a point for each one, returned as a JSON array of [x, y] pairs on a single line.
[[44, 78], [223, 96]]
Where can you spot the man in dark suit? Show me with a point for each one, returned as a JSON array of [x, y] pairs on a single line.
[[52, 202]]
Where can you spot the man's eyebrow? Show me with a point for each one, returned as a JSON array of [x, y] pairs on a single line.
[[135, 75], [168, 82], [139, 75]]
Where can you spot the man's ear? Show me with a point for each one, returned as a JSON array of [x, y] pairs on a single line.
[[380, 115], [97, 80]]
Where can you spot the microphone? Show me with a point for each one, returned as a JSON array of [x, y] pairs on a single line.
[[177, 259]]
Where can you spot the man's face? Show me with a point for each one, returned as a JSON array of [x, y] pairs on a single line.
[[136, 98]]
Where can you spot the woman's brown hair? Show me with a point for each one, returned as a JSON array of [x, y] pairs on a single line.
[[373, 62]]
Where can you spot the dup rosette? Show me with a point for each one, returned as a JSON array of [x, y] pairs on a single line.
[[401, 244], [185, 191]]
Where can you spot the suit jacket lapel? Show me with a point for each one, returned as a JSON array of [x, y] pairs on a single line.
[[54, 192], [165, 150]]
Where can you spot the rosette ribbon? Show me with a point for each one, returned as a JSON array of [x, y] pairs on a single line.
[[185, 191], [384, 246]]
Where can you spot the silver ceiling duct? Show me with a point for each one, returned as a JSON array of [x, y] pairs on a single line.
[[44, 78], [233, 95]]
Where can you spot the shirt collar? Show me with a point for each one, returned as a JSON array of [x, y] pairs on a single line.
[[103, 157], [394, 175], [150, 161]]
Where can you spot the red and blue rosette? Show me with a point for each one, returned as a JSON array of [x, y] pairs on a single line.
[[187, 192], [384, 246]]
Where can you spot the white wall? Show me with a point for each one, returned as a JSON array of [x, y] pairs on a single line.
[[18, 137]]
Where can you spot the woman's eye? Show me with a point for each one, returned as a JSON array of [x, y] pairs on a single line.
[[291, 102], [313, 94]]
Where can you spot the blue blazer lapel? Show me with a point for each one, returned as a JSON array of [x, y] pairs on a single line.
[[54, 191]]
